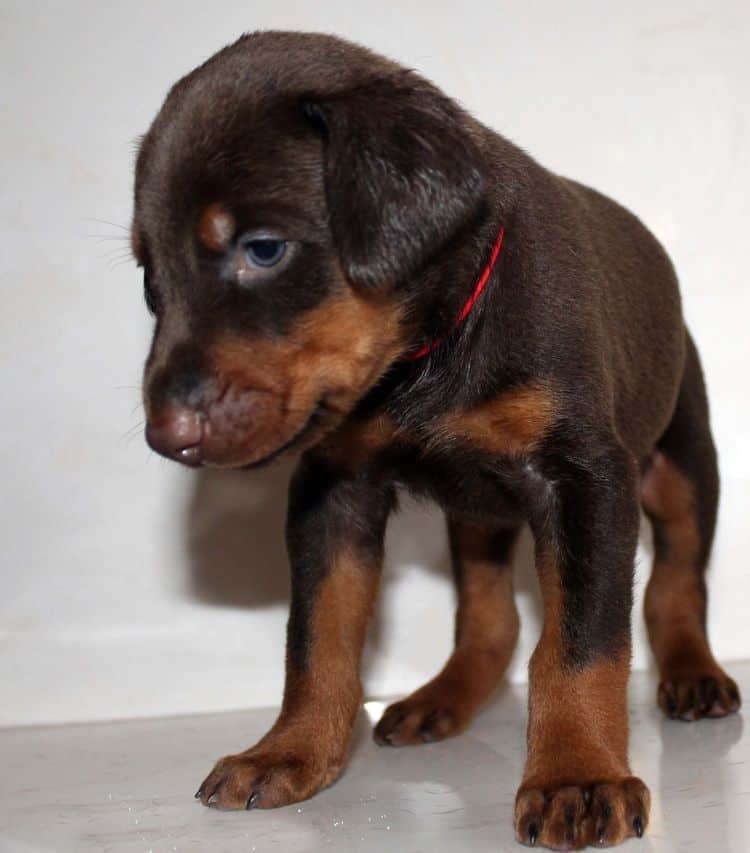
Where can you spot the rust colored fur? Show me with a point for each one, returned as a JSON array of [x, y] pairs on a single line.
[[486, 632], [306, 748], [510, 425], [216, 228], [311, 220], [692, 682], [577, 761], [354, 446], [348, 340]]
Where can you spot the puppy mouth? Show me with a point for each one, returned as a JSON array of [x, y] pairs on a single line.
[[241, 429], [318, 420]]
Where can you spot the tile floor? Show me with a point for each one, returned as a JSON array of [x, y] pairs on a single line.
[[128, 786]]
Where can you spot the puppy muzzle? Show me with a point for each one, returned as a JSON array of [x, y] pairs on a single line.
[[234, 428]]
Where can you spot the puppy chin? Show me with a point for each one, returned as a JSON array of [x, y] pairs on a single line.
[[236, 450], [267, 444]]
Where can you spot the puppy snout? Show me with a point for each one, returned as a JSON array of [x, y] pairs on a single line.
[[177, 433]]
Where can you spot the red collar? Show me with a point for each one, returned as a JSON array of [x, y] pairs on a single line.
[[469, 304]]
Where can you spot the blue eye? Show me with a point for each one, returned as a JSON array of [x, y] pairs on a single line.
[[265, 251]]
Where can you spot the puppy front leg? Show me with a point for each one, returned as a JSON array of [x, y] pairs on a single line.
[[577, 787], [335, 531]]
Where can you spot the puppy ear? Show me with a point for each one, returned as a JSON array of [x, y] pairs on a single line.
[[402, 173]]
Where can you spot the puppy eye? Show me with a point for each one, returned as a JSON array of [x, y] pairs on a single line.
[[265, 252], [148, 293]]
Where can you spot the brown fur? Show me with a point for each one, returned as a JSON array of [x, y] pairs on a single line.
[[346, 343], [216, 228], [560, 697], [692, 682], [355, 444], [306, 748], [511, 424], [486, 632], [542, 404], [348, 340], [577, 745]]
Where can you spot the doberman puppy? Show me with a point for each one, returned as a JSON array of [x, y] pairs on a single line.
[[342, 262]]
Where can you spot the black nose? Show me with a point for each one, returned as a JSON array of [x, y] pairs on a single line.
[[177, 434]]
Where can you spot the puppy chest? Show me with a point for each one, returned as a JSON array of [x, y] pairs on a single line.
[[462, 484]]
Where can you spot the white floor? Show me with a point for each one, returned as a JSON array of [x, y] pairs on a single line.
[[129, 786]]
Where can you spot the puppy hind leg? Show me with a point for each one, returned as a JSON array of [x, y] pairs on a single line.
[[486, 633], [679, 493]]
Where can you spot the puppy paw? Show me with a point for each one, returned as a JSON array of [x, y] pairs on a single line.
[[692, 696], [415, 721], [265, 779], [574, 816]]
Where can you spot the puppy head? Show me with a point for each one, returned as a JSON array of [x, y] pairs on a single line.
[[286, 196]]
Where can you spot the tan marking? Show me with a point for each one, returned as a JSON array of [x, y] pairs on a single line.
[[668, 495], [321, 703], [510, 424], [336, 352], [216, 228], [486, 618], [578, 723], [675, 603], [577, 742], [306, 748], [486, 632], [674, 607]]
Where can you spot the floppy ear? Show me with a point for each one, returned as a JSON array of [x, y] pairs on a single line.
[[402, 173]]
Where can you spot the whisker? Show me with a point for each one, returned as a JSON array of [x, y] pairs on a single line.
[[102, 238], [117, 251], [115, 263], [118, 260], [128, 434], [116, 254], [105, 222]]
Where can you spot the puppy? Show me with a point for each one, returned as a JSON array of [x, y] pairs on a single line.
[[343, 263]]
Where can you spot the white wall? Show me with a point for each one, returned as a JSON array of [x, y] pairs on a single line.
[[132, 587]]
